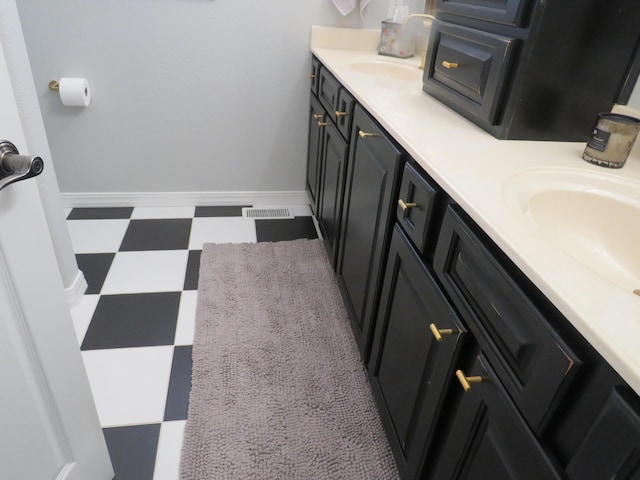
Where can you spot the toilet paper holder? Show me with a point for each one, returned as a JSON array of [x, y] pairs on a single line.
[[54, 85]]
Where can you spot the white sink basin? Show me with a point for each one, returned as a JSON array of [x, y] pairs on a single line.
[[388, 69], [594, 218]]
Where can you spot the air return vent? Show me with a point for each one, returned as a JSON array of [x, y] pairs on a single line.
[[266, 213]]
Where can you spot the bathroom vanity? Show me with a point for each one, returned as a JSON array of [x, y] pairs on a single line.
[[492, 351]]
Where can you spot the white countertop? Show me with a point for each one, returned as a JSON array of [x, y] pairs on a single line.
[[473, 167]]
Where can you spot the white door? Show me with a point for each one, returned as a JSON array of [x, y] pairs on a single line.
[[49, 428]]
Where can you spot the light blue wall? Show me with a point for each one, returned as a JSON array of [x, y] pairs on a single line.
[[188, 95]]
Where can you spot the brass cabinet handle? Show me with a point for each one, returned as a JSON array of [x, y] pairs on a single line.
[[449, 65], [312, 75], [439, 332], [467, 381], [405, 206], [323, 124], [318, 116], [367, 135], [341, 114]]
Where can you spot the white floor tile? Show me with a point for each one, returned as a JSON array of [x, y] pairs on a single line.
[[163, 212], [185, 327], [81, 315], [221, 230], [97, 236], [129, 385], [148, 271], [169, 449]]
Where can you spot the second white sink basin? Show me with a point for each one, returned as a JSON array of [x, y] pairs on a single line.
[[595, 218]]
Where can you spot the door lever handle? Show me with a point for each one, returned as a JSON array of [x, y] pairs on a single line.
[[15, 167]]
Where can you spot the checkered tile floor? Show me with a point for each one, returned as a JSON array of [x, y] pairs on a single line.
[[135, 323]]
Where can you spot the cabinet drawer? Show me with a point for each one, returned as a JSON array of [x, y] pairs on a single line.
[[328, 90], [344, 113], [416, 205], [508, 12], [534, 363], [468, 68]]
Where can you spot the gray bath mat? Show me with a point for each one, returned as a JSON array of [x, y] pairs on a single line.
[[278, 389]]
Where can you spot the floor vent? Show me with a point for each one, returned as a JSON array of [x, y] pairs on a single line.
[[266, 213]]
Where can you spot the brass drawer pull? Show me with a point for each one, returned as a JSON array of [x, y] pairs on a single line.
[[467, 381], [341, 114], [318, 116], [450, 65], [406, 206], [312, 75], [323, 124], [439, 332], [367, 135]]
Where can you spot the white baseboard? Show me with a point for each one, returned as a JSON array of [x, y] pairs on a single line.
[[75, 291], [182, 199]]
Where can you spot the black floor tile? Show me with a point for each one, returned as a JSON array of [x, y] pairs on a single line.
[[94, 267], [220, 211], [133, 320], [193, 270], [157, 234], [179, 384], [283, 229], [100, 213], [133, 450]]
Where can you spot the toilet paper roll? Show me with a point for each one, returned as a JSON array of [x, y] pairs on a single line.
[[74, 92]]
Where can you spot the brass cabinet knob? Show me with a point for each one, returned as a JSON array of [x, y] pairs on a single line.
[[467, 381], [341, 114], [439, 332], [312, 75], [450, 65], [367, 135], [318, 116], [323, 124]]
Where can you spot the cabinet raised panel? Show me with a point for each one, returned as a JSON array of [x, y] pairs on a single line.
[[316, 118], [371, 187], [334, 160]]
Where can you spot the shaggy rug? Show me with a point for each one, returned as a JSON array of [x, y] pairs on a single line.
[[278, 388]]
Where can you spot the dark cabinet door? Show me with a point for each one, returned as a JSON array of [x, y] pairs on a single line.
[[487, 438], [316, 119], [371, 187], [611, 448], [417, 336], [334, 161]]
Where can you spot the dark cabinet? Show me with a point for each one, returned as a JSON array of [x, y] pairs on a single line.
[[417, 337], [611, 447], [330, 117], [487, 438], [535, 363], [334, 161], [373, 171], [532, 69], [314, 152], [475, 373]]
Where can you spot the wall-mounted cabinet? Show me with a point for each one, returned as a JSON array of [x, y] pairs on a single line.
[[532, 69]]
